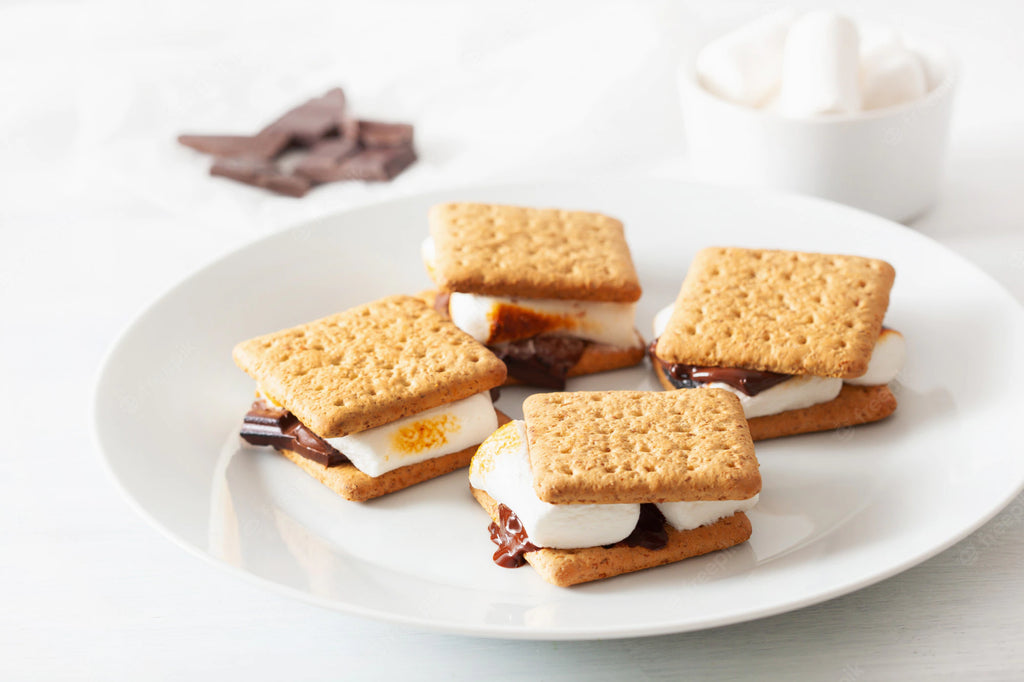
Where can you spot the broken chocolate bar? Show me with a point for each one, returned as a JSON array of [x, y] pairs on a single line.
[[260, 173], [378, 134], [376, 164], [265, 145], [307, 123], [338, 146]]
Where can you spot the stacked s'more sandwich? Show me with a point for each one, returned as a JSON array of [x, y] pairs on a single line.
[[373, 399], [553, 293], [591, 485], [798, 337]]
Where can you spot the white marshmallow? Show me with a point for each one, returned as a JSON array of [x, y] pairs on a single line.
[[887, 359], [891, 74], [745, 65], [820, 66], [432, 433], [601, 322], [501, 467], [792, 394], [690, 515], [428, 252], [661, 319]]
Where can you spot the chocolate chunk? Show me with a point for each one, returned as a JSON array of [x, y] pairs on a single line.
[[650, 531], [265, 424], [380, 134], [260, 173], [322, 161], [543, 360], [307, 123], [266, 145], [376, 164]]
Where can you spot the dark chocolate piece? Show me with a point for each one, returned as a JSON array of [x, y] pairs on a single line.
[[543, 360], [322, 161], [260, 173], [265, 424], [380, 134], [749, 381], [650, 531], [307, 123], [510, 537], [375, 164], [266, 145]]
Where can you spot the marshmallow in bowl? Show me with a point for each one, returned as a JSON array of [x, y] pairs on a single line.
[[597, 321], [743, 66], [891, 73], [501, 468], [820, 66], [432, 433], [813, 64]]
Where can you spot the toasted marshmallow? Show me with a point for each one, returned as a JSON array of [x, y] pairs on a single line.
[[597, 321], [432, 433], [792, 394], [501, 468], [690, 515], [887, 360]]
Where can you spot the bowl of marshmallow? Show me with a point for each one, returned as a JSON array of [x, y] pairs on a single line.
[[818, 104]]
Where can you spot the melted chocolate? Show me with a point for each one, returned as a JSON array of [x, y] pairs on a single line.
[[749, 381], [650, 531], [543, 360], [265, 424], [510, 537]]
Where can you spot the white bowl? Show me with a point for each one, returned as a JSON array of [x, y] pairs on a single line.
[[887, 161]]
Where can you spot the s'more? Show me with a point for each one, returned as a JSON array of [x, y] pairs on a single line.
[[553, 293], [797, 337], [591, 485], [373, 399]]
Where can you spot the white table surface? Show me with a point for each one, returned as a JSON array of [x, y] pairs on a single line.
[[101, 211]]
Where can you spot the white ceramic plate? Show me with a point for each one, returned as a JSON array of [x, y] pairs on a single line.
[[838, 511]]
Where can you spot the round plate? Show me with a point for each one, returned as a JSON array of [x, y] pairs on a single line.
[[838, 511]]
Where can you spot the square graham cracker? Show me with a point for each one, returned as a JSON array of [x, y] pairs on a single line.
[[369, 365], [779, 311], [533, 253], [607, 447]]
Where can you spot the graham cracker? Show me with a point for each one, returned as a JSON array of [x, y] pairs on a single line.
[[354, 485], [779, 311], [608, 447], [533, 253], [854, 405], [369, 365], [565, 567]]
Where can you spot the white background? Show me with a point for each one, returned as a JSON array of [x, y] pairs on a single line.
[[100, 211]]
